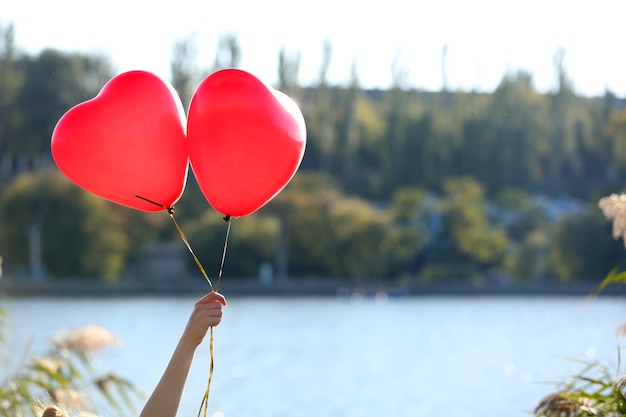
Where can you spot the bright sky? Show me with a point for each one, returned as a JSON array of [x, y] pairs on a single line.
[[484, 38]]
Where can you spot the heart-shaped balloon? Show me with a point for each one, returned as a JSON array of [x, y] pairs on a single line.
[[246, 141], [127, 144]]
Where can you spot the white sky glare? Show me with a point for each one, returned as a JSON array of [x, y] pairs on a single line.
[[484, 38]]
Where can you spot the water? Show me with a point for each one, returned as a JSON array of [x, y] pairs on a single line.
[[301, 357]]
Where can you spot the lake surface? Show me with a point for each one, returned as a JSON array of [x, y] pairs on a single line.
[[341, 357]]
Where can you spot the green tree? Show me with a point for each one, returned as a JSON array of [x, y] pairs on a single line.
[[528, 259], [228, 53], [251, 243], [184, 67], [81, 234], [529, 229], [465, 215], [516, 138], [582, 247], [11, 80], [322, 135], [570, 130], [368, 129], [53, 82], [397, 115], [350, 232], [425, 157], [518, 211], [616, 128], [407, 237], [468, 244], [329, 234], [348, 131], [288, 72]]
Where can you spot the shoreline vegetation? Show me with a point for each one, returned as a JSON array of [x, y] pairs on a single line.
[[253, 287], [395, 182]]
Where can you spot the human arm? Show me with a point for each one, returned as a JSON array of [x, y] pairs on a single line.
[[165, 398]]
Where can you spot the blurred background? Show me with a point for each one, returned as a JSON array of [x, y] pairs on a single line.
[[449, 144], [454, 149]]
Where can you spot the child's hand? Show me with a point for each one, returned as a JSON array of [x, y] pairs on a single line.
[[206, 313]]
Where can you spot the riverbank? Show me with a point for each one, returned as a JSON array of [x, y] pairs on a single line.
[[86, 287]]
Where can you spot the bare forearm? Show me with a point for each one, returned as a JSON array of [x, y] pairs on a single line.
[[165, 398]]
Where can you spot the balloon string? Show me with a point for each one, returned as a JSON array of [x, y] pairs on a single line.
[[205, 399], [195, 258], [219, 275], [170, 210]]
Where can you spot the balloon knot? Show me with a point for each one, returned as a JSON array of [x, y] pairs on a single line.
[[170, 210], [226, 218]]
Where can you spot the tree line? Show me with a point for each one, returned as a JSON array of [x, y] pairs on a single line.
[[396, 185]]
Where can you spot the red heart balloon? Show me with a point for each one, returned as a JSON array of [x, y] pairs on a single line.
[[246, 141], [126, 142]]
